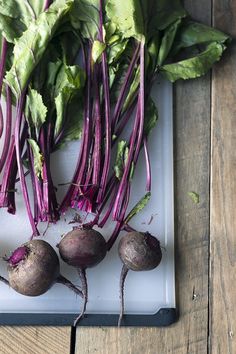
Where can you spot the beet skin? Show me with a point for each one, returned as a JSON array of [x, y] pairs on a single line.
[[83, 248], [36, 271], [140, 251]]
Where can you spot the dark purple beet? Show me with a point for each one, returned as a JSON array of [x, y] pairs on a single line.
[[140, 251], [83, 248], [33, 268]]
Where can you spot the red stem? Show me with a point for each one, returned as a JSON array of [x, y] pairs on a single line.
[[8, 129], [19, 116]]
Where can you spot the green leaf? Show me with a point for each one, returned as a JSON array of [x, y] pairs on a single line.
[[110, 31], [85, 17], [73, 125], [120, 158], [127, 16], [97, 50], [167, 41], [138, 207], [76, 77], [115, 50], [24, 10], [10, 28], [61, 103], [151, 116], [194, 33], [38, 158], [133, 90], [70, 46], [30, 47], [35, 110], [153, 50], [16, 16], [73, 81], [160, 14], [196, 66], [195, 197]]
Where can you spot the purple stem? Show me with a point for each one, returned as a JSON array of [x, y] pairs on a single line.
[[148, 165], [19, 116], [105, 75], [72, 190], [118, 107], [7, 196], [86, 141], [3, 62], [141, 101], [123, 122], [47, 4], [120, 223], [136, 138], [97, 133], [37, 189], [49, 197], [32, 175], [109, 210], [124, 181], [1, 120], [8, 130], [2, 68], [46, 203], [10, 166]]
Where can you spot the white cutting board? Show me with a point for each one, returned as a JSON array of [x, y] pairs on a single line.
[[145, 292]]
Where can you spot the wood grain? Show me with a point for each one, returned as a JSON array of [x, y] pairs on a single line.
[[192, 164], [34, 340], [223, 191]]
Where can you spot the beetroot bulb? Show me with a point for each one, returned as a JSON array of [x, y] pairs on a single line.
[[83, 248], [33, 268], [138, 252]]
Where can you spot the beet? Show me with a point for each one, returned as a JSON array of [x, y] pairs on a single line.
[[138, 252], [33, 268], [83, 248]]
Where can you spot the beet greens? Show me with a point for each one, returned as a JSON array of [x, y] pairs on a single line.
[[84, 69], [123, 47]]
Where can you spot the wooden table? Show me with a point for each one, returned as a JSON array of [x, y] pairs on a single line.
[[205, 162]]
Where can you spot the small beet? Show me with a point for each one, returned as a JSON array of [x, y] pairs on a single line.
[[34, 271], [33, 268], [83, 248], [140, 251]]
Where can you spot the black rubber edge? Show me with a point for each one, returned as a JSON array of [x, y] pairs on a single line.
[[164, 317]]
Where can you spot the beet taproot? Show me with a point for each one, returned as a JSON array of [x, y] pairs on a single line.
[[138, 252]]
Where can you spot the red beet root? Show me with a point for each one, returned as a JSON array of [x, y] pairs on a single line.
[[83, 248], [33, 268], [138, 252]]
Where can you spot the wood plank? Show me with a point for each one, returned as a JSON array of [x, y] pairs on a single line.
[[223, 191], [35, 340], [192, 153]]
